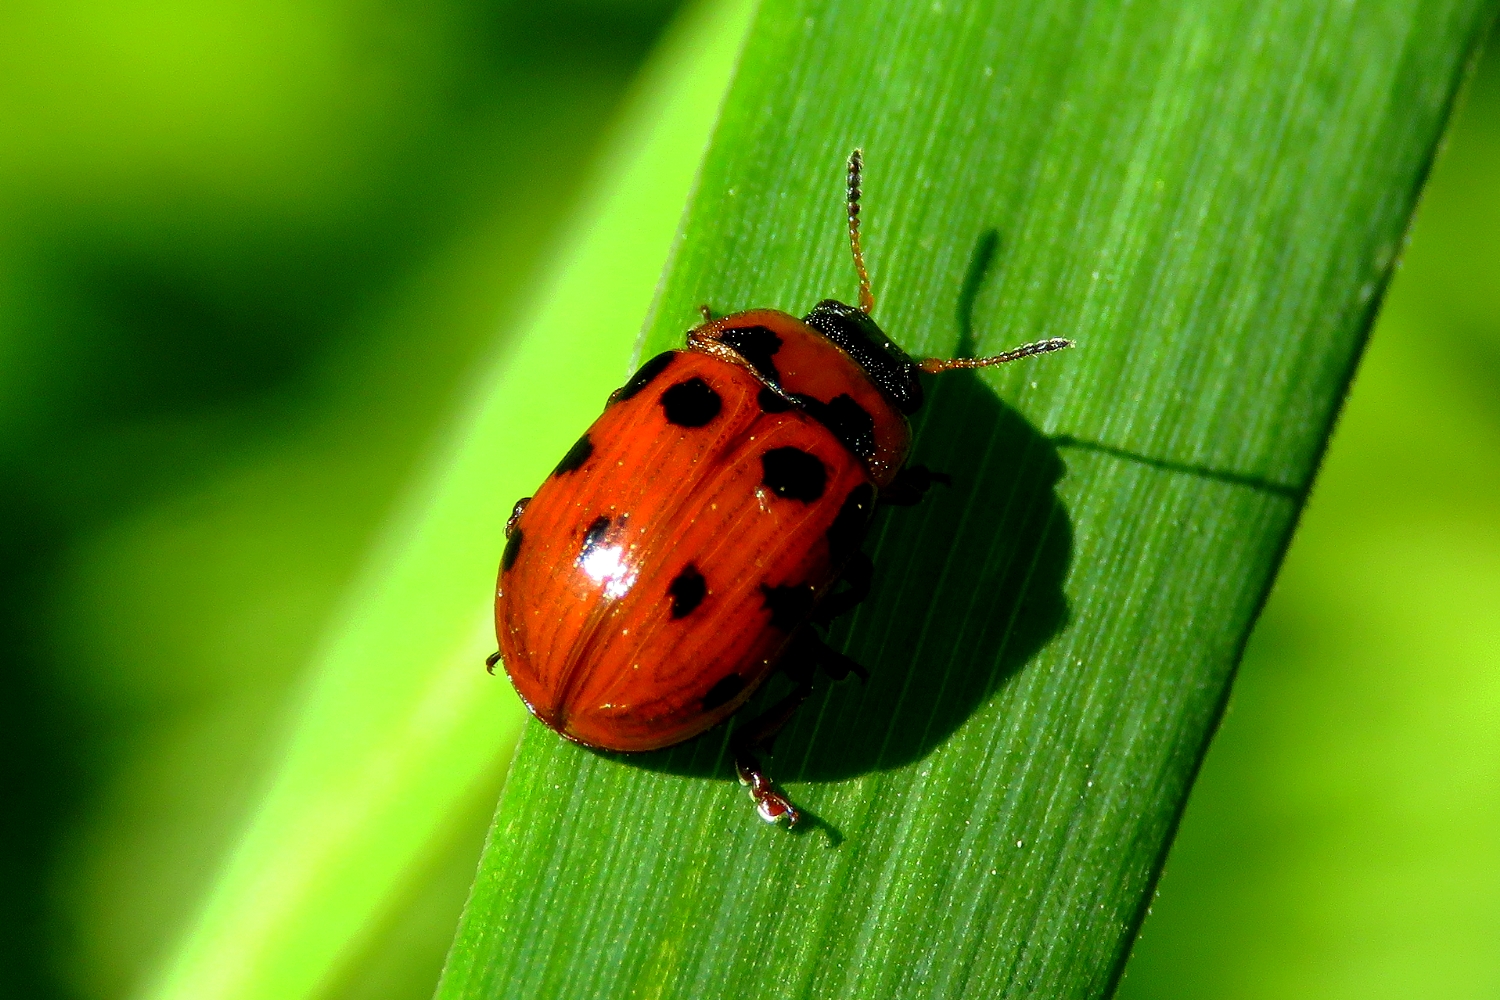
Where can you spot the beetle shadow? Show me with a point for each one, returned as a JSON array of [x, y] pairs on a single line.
[[968, 588]]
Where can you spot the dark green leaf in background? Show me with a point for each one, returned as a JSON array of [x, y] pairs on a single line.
[[249, 255], [1210, 200], [396, 727]]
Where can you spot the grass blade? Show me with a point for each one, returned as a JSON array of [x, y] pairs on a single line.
[[1210, 199]]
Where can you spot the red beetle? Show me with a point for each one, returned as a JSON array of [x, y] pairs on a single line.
[[695, 537]]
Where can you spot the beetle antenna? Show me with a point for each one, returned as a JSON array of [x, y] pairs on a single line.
[[856, 168], [936, 365]]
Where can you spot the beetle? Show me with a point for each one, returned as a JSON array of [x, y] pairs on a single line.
[[710, 522]]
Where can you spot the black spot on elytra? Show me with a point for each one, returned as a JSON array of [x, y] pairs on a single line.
[[772, 401], [688, 590], [692, 403], [723, 692], [576, 456], [847, 532], [849, 422], [512, 550], [794, 474], [757, 345], [789, 605], [593, 536], [644, 376]]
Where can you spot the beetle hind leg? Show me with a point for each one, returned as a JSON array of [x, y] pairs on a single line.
[[753, 737], [806, 653]]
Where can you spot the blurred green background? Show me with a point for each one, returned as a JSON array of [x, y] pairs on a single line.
[[249, 255]]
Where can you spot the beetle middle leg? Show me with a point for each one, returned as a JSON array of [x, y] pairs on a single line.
[[858, 574], [836, 664]]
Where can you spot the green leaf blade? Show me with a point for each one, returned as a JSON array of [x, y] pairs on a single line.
[[1210, 200]]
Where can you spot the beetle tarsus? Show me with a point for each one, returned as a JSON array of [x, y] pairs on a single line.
[[490, 661], [770, 805]]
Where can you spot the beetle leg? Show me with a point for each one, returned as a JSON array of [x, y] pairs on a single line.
[[755, 735], [858, 575], [706, 312], [515, 515], [836, 664], [911, 484], [491, 660], [770, 805]]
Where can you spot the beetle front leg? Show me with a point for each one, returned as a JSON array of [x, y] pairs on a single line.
[[515, 515], [911, 485]]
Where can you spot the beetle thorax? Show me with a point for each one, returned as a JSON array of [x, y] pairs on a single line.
[[803, 367]]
